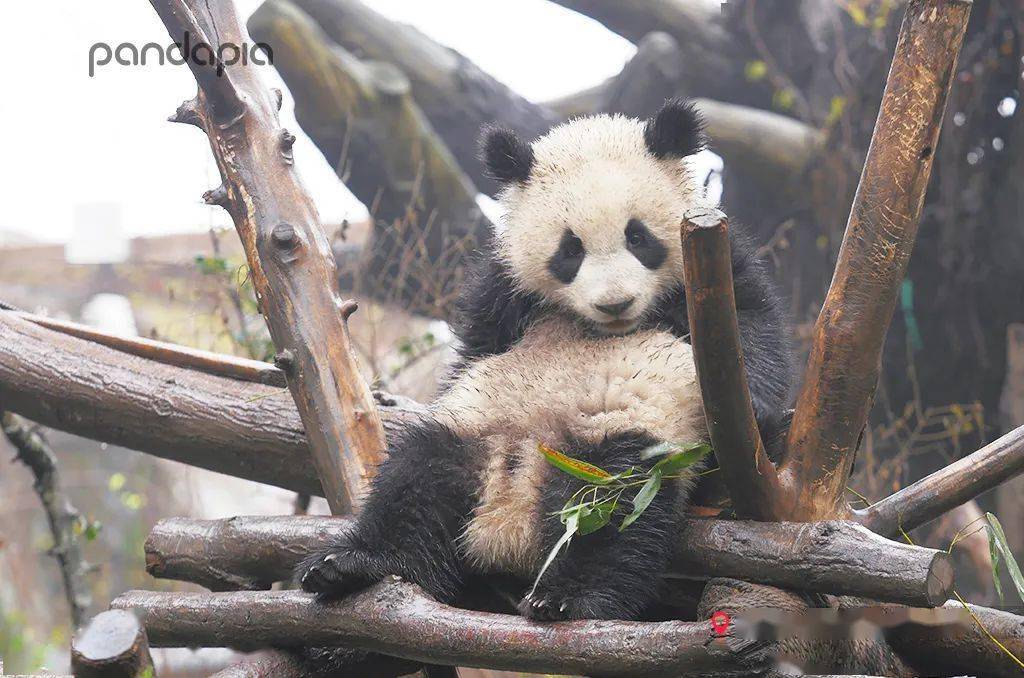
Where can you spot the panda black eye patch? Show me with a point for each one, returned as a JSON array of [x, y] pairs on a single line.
[[643, 245], [565, 263]]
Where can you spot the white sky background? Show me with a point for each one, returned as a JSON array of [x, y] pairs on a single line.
[[71, 139]]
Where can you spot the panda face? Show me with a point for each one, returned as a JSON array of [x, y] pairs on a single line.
[[593, 212]]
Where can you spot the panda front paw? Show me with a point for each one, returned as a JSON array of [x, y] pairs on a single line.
[[552, 605], [336, 572]]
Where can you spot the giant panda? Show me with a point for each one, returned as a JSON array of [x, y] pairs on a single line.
[[573, 334]]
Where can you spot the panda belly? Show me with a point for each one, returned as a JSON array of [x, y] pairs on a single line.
[[558, 384]]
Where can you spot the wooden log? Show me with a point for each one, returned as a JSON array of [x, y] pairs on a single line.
[[240, 553], [845, 359], [290, 260], [962, 642], [947, 488], [718, 356], [112, 645], [396, 618], [267, 664], [829, 557], [454, 94], [833, 557], [244, 429], [362, 116], [697, 27], [219, 364]]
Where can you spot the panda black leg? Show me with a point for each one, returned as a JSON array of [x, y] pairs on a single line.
[[418, 504], [607, 574]]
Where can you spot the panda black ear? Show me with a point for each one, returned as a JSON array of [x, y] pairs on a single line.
[[675, 131], [506, 157]]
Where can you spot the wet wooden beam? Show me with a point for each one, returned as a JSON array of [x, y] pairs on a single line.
[[290, 260], [845, 358]]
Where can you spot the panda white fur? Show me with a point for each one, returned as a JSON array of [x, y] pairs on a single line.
[[574, 334]]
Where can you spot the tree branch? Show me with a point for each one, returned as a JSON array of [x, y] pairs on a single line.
[[63, 517], [718, 356], [695, 25], [396, 618], [947, 488], [241, 428], [950, 641], [112, 645], [189, 358], [289, 258], [844, 364], [362, 116], [454, 94], [829, 557], [267, 664]]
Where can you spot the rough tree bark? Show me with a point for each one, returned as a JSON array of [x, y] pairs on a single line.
[[715, 335], [290, 260], [395, 618], [241, 428], [829, 557], [845, 361]]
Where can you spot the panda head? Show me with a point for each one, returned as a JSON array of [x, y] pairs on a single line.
[[593, 211]]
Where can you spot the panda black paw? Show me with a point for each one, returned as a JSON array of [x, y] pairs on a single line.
[[337, 572], [551, 605]]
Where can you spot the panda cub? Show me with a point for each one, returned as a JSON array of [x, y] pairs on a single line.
[[573, 334]]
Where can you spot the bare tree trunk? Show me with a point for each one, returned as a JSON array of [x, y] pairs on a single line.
[[845, 362], [290, 261]]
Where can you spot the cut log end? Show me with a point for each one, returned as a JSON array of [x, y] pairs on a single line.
[[941, 579], [703, 217], [111, 645]]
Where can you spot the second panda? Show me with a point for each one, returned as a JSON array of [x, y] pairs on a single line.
[[573, 334]]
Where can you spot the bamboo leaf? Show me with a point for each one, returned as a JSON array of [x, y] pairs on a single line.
[[597, 516], [999, 546], [689, 456], [643, 499], [571, 527], [575, 467]]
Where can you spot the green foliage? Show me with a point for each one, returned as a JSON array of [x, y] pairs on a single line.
[[1000, 551], [594, 505]]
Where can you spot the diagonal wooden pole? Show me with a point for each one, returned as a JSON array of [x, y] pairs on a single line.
[[289, 258], [845, 359]]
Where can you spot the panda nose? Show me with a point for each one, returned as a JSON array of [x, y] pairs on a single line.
[[615, 309]]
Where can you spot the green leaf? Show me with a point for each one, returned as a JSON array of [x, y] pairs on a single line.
[[687, 457], [998, 546], [597, 515], [575, 467], [643, 499], [92, 530], [571, 527]]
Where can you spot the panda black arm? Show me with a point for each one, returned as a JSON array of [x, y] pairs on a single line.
[[491, 314], [764, 334]]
